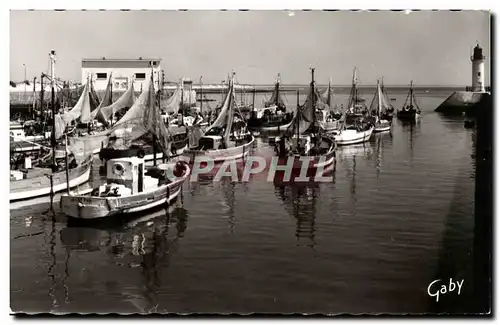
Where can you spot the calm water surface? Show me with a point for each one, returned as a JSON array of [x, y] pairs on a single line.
[[398, 213]]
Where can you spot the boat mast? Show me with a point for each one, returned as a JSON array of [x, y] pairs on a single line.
[[66, 161], [298, 117], [379, 94], [153, 102], [277, 90], [201, 96], [182, 102], [313, 94], [329, 94], [411, 94], [253, 99], [355, 88], [52, 57], [110, 89], [41, 98]]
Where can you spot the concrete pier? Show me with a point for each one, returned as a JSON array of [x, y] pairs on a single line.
[[460, 102]]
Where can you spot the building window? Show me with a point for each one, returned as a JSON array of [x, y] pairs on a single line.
[[102, 75], [140, 76], [479, 74]]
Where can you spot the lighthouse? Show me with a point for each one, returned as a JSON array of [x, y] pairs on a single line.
[[465, 102], [477, 59]]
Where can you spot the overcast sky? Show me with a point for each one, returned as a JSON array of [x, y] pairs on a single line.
[[432, 48]]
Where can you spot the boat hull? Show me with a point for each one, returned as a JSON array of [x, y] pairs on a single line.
[[382, 126], [306, 165], [348, 137], [40, 186], [402, 115], [94, 207], [280, 127], [221, 154], [382, 129]]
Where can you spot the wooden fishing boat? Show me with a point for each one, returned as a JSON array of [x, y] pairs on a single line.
[[44, 179], [327, 121], [36, 182], [378, 108], [273, 116], [227, 138], [309, 149], [129, 188], [410, 109], [358, 132]]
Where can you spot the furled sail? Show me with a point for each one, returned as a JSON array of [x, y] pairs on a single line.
[[106, 101], [94, 98], [81, 111], [386, 97], [124, 102], [379, 104], [328, 96], [221, 119], [304, 115], [276, 98], [172, 104], [141, 118]]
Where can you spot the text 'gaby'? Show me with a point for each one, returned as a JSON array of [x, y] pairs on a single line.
[[435, 289]]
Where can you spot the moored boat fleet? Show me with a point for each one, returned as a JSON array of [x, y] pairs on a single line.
[[56, 154]]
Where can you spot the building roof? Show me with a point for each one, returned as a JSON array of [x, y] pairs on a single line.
[[140, 59]]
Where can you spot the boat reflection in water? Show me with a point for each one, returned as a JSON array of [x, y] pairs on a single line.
[[300, 201], [380, 139], [147, 242]]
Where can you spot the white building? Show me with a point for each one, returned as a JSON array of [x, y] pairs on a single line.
[[122, 71]]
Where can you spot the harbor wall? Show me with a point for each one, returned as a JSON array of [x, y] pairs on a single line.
[[460, 102]]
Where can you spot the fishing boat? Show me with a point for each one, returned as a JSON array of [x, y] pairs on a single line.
[[358, 131], [305, 141], [378, 108], [38, 181], [227, 138], [356, 106], [63, 172], [273, 116], [327, 116], [129, 188], [410, 109]]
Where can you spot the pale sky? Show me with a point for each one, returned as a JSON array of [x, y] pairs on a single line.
[[429, 47]]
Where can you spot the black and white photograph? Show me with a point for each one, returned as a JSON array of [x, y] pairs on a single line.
[[250, 162]]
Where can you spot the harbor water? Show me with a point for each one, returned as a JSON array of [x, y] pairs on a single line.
[[397, 214]]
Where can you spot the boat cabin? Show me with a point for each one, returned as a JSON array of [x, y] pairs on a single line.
[[125, 176], [324, 116], [210, 142]]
